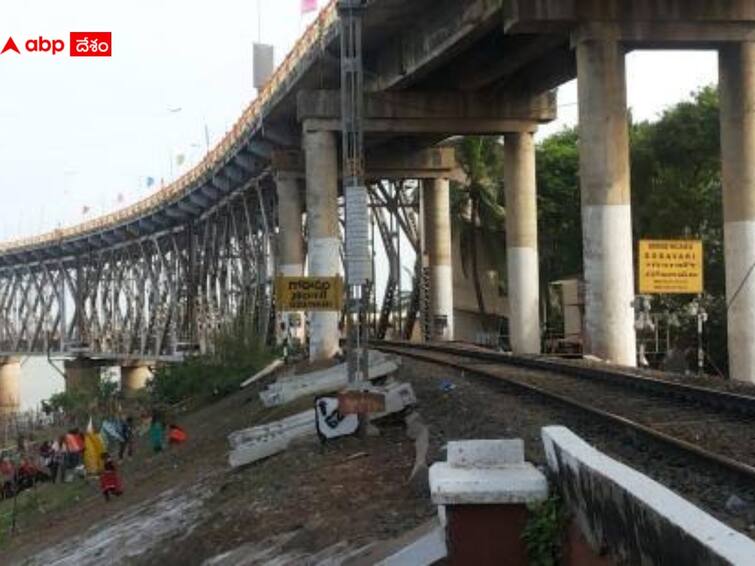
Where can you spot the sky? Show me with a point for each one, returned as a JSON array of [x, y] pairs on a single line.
[[84, 134]]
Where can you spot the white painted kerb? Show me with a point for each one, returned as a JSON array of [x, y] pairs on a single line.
[[575, 453]]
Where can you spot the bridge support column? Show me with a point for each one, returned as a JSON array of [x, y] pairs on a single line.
[[436, 231], [82, 375], [321, 156], [521, 243], [606, 208], [290, 244], [737, 90], [134, 377], [10, 395]]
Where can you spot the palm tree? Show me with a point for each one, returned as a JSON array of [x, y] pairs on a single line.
[[476, 205]]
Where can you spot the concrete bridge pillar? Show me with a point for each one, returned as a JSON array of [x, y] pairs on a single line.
[[521, 242], [10, 395], [606, 208], [290, 242], [321, 156], [737, 90], [82, 375], [134, 377], [436, 231]]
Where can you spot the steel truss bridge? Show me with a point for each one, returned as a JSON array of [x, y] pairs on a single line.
[[161, 277]]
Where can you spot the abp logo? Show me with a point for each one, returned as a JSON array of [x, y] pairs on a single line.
[[91, 44]]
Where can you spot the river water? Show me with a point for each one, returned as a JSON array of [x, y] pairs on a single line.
[[39, 381]]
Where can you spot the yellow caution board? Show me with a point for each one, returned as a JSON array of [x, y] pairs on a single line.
[[671, 267], [309, 293]]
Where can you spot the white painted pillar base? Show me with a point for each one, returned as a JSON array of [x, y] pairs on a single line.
[[523, 270], [737, 86], [10, 393], [324, 242], [609, 277], [524, 299], [606, 208], [437, 250]]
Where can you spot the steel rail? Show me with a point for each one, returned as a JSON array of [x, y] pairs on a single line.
[[704, 395], [444, 355]]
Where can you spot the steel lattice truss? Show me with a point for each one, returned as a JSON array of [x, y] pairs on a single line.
[[152, 297]]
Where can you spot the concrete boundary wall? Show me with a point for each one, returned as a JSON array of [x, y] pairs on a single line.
[[631, 517]]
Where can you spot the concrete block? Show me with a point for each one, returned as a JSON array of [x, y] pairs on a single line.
[[636, 519], [486, 472], [519, 484], [485, 453]]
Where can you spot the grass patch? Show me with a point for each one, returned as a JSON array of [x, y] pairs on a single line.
[[34, 504]]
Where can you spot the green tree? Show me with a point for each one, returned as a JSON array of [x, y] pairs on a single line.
[[477, 205], [559, 216]]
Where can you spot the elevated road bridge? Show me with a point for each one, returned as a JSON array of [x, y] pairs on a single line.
[[162, 277]]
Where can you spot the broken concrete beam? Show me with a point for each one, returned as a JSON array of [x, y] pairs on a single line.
[[632, 517], [262, 441], [271, 367], [294, 387], [239, 437], [257, 443]]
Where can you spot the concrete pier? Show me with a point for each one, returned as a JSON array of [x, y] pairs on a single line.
[[82, 375], [290, 242], [321, 156], [10, 394], [436, 217], [737, 89], [521, 243], [606, 208], [134, 377]]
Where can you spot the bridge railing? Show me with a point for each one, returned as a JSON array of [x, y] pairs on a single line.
[[251, 115]]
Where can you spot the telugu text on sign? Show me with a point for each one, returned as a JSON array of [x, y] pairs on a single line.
[[671, 267], [309, 293]]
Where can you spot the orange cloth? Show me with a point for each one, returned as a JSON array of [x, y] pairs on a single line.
[[177, 435]]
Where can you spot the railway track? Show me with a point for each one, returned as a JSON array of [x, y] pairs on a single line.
[[715, 426]]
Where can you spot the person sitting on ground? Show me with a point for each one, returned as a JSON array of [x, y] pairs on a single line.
[[110, 482], [176, 435], [156, 433]]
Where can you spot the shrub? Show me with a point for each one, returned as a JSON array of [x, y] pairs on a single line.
[[238, 354]]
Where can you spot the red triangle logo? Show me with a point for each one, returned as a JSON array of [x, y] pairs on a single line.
[[10, 45]]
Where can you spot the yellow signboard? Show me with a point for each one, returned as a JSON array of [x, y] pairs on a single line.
[[309, 293], [671, 267]]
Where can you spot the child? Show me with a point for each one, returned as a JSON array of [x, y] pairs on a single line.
[[110, 483]]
